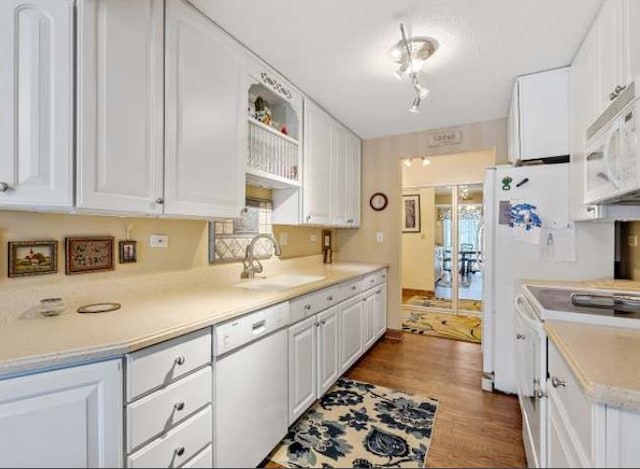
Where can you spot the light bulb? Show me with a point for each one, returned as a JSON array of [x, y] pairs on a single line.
[[415, 104], [425, 161], [407, 163]]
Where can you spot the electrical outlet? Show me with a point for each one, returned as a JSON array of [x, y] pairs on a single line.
[[283, 239], [159, 241], [633, 241], [379, 237], [313, 238]]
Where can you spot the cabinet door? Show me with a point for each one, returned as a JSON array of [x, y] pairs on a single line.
[[353, 181], [369, 315], [631, 18], [340, 174], [317, 180], [544, 114], [581, 98], [328, 349], [302, 367], [120, 105], [381, 311], [65, 418], [205, 116], [611, 49], [561, 451], [36, 92], [351, 332]]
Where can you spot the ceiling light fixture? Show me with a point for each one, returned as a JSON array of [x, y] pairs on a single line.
[[425, 161], [408, 162], [411, 54]]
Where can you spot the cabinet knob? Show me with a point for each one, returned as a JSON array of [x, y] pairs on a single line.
[[520, 336], [307, 307], [323, 322], [308, 218], [619, 89], [378, 292], [612, 96], [179, 406], [4, 187], [179, 360], [354, 287], [350, 220], [160, 200], [591, 209], [558, 383], [330, 298], [179, 451]]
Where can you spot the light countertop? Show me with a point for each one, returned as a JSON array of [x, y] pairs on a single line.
[[155, 307], [603, 359]]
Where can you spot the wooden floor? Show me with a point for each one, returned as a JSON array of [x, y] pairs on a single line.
[[473, 428]]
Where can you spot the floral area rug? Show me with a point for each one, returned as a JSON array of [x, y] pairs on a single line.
[[465, 327], [445, 303], [357, 424]]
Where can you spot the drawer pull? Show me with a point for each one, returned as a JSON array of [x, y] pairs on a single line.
[[378, 292], [179, 451], [180, 360], [307, 307], [323, 322], [558, 383], [354, 287], [330, 298], [520, 336], [179, 406]]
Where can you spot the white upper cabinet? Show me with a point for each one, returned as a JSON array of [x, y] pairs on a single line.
[[65, 418], [539, 116], [611, 50], [36, 114], [205, 116], [120, 105], [317, 179], [331, 190]]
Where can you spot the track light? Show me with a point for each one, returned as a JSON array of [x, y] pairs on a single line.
[[401, 71], [425, 161], [421, 90], [407, 163], [415, 105]]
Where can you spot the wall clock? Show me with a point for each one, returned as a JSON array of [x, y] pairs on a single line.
[[378, 201]]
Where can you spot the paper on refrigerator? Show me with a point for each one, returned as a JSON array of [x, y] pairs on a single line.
[[560, 242], [525, 223]]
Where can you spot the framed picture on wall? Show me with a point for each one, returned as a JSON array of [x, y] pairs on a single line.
[[32, 258], [411, 213]]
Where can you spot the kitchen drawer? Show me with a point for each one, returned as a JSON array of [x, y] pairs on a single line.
[[308, 305], [204, 459], [350, 288], [178, 445], [161, 364], [163, 409], [381, 276], [571, 398], [370, 281]]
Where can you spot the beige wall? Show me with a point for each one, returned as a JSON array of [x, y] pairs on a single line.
[[457, 168], [188, 241], [381, 172], [418, 249]]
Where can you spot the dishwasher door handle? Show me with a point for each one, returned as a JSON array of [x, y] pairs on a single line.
[[258, 328]]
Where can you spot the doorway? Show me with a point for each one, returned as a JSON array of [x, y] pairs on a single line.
[[442, 261]]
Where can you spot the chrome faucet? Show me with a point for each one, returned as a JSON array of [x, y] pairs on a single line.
[[251, 265]]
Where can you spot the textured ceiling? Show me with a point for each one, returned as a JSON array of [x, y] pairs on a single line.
[[336, 52]]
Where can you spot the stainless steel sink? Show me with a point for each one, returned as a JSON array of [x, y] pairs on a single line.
[[278, 282]]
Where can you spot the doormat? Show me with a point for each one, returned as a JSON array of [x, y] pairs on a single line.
[[445, 303], [357, 424], [464, 327]]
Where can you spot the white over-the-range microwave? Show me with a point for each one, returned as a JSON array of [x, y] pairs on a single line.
[[612, 167]]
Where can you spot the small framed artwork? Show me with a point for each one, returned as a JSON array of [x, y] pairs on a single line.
[[32, 258], [411, 213], [128, 253], [88, 254]]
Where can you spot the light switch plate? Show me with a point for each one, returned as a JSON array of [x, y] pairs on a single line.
[[313, 238], [633, 241], [379, 237], [159, 241]]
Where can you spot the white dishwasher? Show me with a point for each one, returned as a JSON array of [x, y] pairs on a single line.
[[251, 386]]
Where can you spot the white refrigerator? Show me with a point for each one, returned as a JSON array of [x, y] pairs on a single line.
[[528, 234]]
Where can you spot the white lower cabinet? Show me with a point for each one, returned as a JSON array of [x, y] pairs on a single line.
[[351, 331], [303, 367], [328, 349], [64, 418], [380, 311], [582, 433], [369, 318]]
